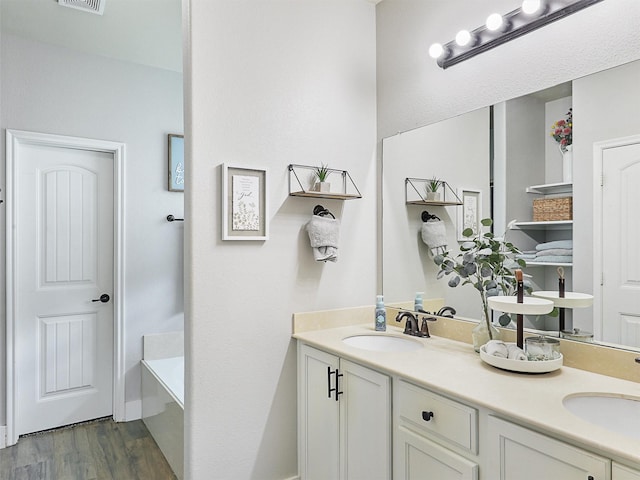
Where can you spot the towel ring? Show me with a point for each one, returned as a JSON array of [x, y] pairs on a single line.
[[426, 216], [321, 211]]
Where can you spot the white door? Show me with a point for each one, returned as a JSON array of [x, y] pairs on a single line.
[[63, 251], [620, 253]]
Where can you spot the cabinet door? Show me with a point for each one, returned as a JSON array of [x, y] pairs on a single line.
[[365, 416], [416, 458], [318, 415], [620, 472], [516, 453]]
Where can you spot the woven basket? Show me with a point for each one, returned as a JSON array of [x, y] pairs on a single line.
[[553, 209]]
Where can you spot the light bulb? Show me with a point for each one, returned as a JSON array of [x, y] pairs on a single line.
[[531, 6], [463, 37], [436, 50], [494, 21]]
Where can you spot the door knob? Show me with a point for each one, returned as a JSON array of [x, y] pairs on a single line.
[[104, 298]]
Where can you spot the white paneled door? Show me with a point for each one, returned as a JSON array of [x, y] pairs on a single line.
[[63, 315], [620, 252]]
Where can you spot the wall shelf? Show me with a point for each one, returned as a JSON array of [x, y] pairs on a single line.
[[551, 188], [302, 180], [552, 225], [414, 193], [547, 264]]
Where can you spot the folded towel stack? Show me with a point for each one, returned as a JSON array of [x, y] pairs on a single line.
[[498, 348], [558, 251], [434, 235], [324, 233]]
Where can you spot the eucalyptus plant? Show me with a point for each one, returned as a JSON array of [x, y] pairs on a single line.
[[487, 263]]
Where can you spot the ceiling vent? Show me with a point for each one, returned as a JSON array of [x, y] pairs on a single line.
[[93, 6]]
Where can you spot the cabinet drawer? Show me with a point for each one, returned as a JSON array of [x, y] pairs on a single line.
[[439, 416]]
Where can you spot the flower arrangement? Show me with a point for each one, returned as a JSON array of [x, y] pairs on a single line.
[[487, 262], [562, 131]]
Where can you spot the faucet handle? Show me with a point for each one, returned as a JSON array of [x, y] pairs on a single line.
[[424, 329]]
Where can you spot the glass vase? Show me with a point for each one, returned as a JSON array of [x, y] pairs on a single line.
[[480, 334]]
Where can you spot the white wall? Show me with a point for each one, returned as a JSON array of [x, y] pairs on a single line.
[[268, 84], [414, 91], [603, 110], [55, 90], [433, 150]]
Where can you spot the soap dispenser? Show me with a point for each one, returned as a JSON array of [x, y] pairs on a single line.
[[381, 315], [417, 303]]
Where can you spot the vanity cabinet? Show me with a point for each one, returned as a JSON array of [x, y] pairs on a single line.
[[621, 472], [516, 453], [344, 418], [427, 427]]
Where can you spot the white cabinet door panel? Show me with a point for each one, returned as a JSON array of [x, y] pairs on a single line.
[[516, 453]]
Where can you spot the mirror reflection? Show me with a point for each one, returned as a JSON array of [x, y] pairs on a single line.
[[505, 162]]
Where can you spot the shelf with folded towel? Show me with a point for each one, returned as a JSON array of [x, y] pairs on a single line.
[[415, 193], [302, 183]]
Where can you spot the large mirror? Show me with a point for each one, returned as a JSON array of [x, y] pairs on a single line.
[[500, 159]]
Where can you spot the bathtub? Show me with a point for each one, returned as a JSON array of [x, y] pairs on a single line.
[[163, 395]]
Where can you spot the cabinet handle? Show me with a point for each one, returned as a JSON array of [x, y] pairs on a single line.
[[426, 416], [337, 388], [338, 391]]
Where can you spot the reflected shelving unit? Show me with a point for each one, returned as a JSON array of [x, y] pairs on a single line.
[[302, 181], [415, 193]]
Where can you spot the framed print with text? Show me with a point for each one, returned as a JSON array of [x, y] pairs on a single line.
[[176, 163], [470, 213], [244, 203]]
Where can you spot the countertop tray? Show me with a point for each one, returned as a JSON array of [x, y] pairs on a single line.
[[521, 366]]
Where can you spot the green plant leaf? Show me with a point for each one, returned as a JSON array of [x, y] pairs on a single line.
[[487, 222]]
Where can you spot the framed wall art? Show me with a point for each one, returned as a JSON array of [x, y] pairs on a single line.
[[469, 216], [244, 203], [176, 163]]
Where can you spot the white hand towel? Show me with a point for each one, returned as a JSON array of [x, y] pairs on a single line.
[[324, 234], [496, 348], [434, 234], [515, 353]]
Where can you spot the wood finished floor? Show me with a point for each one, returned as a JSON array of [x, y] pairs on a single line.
[[101, 450]]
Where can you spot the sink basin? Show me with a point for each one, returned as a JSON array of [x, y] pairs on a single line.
[[615, 413], [383, 343]]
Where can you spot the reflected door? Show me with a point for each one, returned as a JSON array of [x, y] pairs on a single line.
[[620, 252]]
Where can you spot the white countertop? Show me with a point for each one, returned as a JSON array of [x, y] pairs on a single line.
[[455, 369]]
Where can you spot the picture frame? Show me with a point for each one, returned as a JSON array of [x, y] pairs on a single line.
[[176, 162], [244, 203], [470, 214]]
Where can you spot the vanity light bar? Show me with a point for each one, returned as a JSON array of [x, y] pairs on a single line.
[[514, 25]]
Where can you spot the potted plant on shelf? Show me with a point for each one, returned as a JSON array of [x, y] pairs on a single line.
[[431, 189], [321, 173], [487, 263]]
